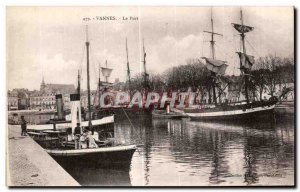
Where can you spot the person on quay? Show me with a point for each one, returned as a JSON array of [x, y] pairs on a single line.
[[77, 134], [23, 126]]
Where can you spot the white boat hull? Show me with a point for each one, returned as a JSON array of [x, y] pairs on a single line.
[[79, 152]]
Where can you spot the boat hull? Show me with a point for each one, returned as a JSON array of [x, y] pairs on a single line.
[[104, 121], [163, 115], [105, 156], [248, 114]]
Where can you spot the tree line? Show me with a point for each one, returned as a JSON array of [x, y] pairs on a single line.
[[265, 74]]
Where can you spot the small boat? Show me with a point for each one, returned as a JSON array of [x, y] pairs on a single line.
[[166, 114], [58, 144], [246, 110], [163, 114]]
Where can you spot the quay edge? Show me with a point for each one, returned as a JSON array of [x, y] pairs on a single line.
[[29, 165]]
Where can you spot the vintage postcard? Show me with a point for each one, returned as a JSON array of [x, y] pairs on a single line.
[[150, 96]]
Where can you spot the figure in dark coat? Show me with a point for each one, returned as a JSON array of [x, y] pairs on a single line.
[[77, 134], [23, 126]]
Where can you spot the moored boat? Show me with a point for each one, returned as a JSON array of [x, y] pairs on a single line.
[[97, 156], [248, 110], [84, 142], [230, 112]]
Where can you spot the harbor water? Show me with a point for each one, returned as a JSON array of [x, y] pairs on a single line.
[[191, 153]]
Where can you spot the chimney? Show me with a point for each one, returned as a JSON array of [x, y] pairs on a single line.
[[59, 106]]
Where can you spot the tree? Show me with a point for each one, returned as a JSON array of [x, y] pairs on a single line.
[[270, 71]]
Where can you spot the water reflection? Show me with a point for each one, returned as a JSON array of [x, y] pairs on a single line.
[[93, 176], [184, 152], [198, 153]]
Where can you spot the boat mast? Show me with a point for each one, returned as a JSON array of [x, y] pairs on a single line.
[[78, 86], [212, 42], [145, 70], [212, 45], [99, 85], [244, 52], [106, 77], [99, 80], [87, 43], [128, 69]]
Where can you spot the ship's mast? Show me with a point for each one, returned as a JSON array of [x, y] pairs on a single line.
[[128, 69], [212, 42], [144, 57], [99, 80], [78, 92], [244, 52], [243, 34], [212, 45], [78, 86], [106, 77], [145, 70], [99, 85], [87, 43]]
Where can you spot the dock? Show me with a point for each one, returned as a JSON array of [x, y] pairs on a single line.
[[28, 164]]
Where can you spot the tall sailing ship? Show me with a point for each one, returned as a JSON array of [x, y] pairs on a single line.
[[245, 110]]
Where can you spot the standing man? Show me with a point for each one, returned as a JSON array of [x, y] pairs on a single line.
[[23, 126], [77, 134]]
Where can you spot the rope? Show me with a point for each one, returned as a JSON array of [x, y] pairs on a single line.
[[202, 45], [128, 118], [251, 46], [131, 124], [80, 64], [82, 58]]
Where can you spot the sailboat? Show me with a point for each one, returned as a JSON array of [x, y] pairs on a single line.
[[246, 110], [62, 142], [123, 108]]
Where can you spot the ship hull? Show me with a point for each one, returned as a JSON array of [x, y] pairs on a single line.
[[248, 114], [99, 157]]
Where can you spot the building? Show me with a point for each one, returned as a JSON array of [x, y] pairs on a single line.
[[18, 99], [45, 97], [41, 100], [57, 88], [12, 100]]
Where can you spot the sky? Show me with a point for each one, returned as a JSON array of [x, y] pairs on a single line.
[[49, 42]]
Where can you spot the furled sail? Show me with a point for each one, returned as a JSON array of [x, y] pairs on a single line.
[[106, 71], [217, 66], [242, 28], [246, 60]]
